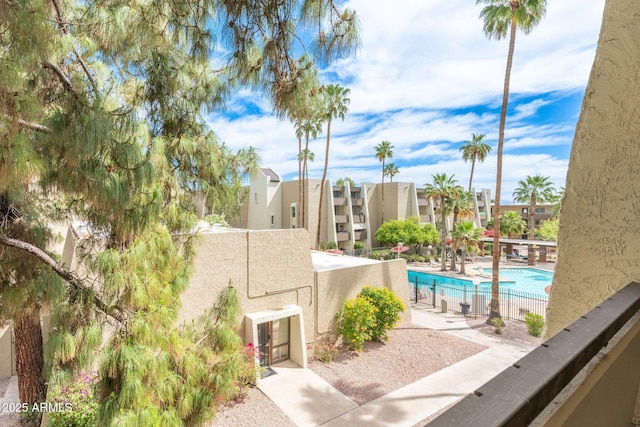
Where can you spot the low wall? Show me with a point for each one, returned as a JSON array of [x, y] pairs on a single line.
[[334, 287], [7, 355]]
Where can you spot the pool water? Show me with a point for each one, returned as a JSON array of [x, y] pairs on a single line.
[[529, 280], [532, 280]]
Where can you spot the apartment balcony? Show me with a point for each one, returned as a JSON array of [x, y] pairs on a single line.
[[342, 219], [423, 202], [425, 218], [357, 201], [342, 236], [358, 218], [339, 201], [360, 235]]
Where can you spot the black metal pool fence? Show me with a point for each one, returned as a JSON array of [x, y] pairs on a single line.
[[475, 301]]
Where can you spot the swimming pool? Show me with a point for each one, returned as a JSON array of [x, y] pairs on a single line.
[[529, 280]]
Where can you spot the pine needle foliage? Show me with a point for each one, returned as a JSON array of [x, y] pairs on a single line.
[[102, 110]]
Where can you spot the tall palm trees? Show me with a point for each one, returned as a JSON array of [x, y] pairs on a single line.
[[335, 104], [502, 17], [384, 150], [475, 149], [442, 188], [534, 189]]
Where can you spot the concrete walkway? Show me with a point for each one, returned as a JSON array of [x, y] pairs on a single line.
[[310, 401], [12, 394]]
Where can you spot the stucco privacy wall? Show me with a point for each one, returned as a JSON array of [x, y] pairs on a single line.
[[270, 269], [7, 355], [599, 236], [337, 286]]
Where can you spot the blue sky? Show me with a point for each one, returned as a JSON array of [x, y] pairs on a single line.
[[425, 78]]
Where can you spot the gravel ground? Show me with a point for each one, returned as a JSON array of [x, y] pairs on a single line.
[[411, 353]]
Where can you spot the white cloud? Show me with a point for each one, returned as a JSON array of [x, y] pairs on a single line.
[[425, 79]]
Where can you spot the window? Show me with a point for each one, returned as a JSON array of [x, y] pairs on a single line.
[[293, 211], [525, 211], [273, 217], [540, 210]]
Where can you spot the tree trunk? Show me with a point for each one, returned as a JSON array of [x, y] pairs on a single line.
[[29, 358], [324, 176], [473, 164], [300, 183], [495, 284], [382, 181], [443, 236]]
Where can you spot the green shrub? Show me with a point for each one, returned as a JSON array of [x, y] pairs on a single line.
[[413, 258], [498, 323], [382, 255], [388, 308], [535, 323], [358, 245], [328, 245], [357, 319], [77, 403]]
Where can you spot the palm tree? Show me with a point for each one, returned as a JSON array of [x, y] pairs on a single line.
[[384, 150], [460, 205], [442, 188], [306, 156], [502, 17], [473, 150], [391, 170], [336, 100], [467, 236], [534, 189], [512, 224]]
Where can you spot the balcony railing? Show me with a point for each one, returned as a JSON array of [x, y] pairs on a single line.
[[532, 386], [342, 236], [339, 201], [358, 218], [360, 234], [342, 219]]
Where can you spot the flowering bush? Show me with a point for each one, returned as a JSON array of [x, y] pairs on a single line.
[[356, 321], [388, 307], [76, 403], [250, 369], [324, 351]]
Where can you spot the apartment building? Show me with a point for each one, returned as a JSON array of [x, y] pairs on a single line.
[[350, 214]]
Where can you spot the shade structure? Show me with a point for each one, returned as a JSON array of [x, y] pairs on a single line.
[[398, 249]]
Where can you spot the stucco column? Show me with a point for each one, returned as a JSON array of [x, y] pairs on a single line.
[[599, 236]]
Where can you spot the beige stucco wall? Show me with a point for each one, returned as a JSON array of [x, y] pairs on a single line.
[[270, 269], [7, 354], [599, 237], [273, 269], [337, 286]]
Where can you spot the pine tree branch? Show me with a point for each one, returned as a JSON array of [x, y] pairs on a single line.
[[33, 126], [68, 276], [63, 27], [63, 78]]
